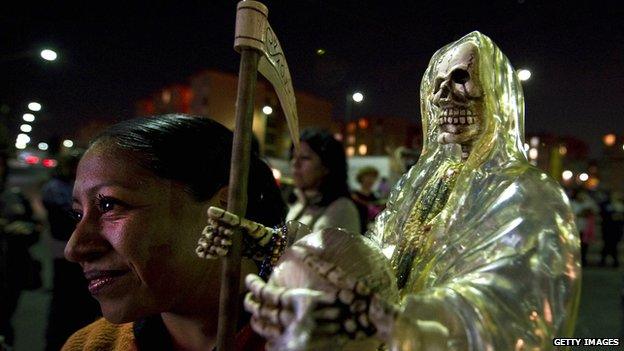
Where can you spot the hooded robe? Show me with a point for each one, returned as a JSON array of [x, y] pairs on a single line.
[[500, 267]]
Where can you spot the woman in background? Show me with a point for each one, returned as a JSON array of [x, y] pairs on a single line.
[[320, 177]]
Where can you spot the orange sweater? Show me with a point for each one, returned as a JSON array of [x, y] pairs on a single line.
[[102, 335]]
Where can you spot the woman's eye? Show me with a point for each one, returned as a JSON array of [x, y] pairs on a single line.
[[106, 204], [75, 215]]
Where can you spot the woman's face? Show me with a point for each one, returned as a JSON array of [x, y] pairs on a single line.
[[367, 181], [308, 170], [135, 239]]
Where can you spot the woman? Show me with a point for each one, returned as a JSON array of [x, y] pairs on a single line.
[[140, 205], [320, 177]]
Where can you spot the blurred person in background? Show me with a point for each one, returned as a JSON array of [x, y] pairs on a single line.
[[72, 306], [585, 210], [612, 212], [18, 232], [323, 199], [367, 202]]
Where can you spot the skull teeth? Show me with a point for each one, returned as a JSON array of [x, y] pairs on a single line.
[[456, 112], [456, 120]]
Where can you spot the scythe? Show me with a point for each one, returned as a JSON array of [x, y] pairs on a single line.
[[260, 51]]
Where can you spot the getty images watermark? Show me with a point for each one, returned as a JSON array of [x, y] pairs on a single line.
[[586, 342]]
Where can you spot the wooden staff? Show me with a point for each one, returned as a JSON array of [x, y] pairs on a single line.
[[260, 51], [237, 197]]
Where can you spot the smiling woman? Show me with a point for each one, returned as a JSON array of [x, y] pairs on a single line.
[[140, 206]]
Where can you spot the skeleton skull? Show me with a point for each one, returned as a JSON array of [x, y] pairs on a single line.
[[458, 96]]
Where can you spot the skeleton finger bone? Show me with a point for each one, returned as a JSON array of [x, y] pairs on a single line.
[[331, 272], [280, 317], [267, 294], [327, 314], [225, 220], [222, 216], [264, 328]]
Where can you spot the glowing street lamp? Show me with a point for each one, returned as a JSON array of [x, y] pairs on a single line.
[[524, 74], [48, 55], [267, 110], [22, 139], [26, 128], [609, 139], [42, 146], [34, 106], [68, 143], [583, 177], [567, 175], [357, 97], [28, 117]]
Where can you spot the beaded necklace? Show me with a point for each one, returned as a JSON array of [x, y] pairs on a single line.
[[427, 206]]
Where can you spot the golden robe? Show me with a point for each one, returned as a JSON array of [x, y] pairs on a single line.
[[500, 269]]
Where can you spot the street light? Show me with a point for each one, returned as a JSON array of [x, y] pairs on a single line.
[[48, 55], [43, 146], [524, 74], [609, 139], [28, 117], [34, 106], [68, 143], [26, 128], [356, 97], [22, 139], [267, 110]]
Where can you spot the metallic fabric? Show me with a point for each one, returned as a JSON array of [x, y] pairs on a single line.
[[500, 269]]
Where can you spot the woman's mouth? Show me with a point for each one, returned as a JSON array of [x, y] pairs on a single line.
[[102, 280]]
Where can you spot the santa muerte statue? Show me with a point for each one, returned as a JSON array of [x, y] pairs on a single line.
[[476, 250]]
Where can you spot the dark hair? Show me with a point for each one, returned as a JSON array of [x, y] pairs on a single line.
[[196, 152], [332, 155], [366, 170]]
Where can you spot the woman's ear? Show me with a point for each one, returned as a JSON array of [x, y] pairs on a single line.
[[222, 197]]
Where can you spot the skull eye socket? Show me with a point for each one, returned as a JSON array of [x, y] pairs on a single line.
[[460, 76]]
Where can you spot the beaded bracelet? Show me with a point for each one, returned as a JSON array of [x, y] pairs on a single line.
[[276, 249]]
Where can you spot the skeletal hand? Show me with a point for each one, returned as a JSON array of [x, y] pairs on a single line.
[[216, 237], [346, 307]]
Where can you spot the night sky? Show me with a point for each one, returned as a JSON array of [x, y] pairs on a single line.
[[113, 54]]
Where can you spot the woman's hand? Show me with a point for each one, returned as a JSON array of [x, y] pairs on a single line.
[[216, 237]]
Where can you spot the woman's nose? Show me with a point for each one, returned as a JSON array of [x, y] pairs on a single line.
[[86, 242]]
